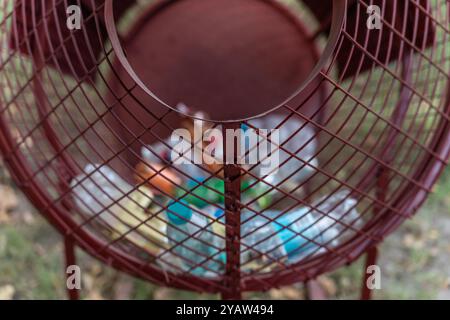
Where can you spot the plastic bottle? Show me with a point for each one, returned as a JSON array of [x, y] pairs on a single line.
[[97, 189], [161, 153], [278, 238], [192, 238], [159, 178], [257, 195], [294, 135], [272, 237], [342, 219], [294, 235], [201, 193], [101, 193]]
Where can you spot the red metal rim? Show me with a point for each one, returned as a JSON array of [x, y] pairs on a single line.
[[338, 19]]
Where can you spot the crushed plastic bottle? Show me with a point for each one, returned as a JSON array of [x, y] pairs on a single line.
[[278, 238], [103, 195], [296, 138], [292, 236], [97, 189], [193, 240], [337, 217], [268, 239]]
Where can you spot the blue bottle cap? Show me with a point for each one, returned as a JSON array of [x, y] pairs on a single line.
[[296, 241], [219, 213], [179, 212], [192, 183]]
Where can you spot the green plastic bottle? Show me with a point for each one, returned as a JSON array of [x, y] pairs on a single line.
[[252, 190], [201, 193]]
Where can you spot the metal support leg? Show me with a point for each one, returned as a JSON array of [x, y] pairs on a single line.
[[232, 176]]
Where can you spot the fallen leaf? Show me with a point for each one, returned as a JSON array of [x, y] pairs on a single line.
[[8, 203], [88, 281], [328, 285], [162, 294], [412, 242], [434, 251], [287, 293], [7, 292], [40, 249], [434, 234], [123, 288], [94, 295], [408, 240], [28, 217], [345, 282], [96, 269]]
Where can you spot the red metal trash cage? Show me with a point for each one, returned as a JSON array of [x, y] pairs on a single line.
[[117, 131]]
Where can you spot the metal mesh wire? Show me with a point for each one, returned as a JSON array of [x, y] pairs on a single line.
[[366, 138]]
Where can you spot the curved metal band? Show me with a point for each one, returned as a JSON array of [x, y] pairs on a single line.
[[337, 22]]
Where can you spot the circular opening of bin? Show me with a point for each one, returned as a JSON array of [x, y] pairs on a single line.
[[233, 59]]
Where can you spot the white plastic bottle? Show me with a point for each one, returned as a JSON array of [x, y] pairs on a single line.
[[102, 195], [304, 232], [293, 135]]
